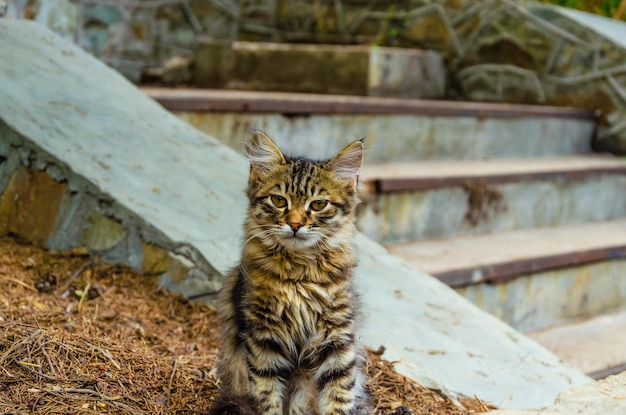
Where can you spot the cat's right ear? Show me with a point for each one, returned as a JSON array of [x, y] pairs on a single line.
[[262, 153]]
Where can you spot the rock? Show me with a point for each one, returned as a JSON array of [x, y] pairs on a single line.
[[102, 233], [103, 14], [29, 205], [60, 16], [156, 260], [176, 71]]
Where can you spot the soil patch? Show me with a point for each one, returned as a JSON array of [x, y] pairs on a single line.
[[79, 336]]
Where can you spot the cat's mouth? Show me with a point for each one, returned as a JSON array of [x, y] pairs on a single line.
[[298, 240]]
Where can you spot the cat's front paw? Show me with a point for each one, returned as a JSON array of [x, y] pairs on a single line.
[[235, 405], [402, 410]]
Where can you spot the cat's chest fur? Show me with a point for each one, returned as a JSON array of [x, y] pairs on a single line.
[[309, 300]]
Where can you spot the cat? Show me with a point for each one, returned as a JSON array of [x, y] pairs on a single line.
[[288, 311]]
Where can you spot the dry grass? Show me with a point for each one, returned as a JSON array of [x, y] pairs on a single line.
[[78, 336]]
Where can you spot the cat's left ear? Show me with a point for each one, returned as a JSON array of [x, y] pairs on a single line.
[[263, 154], [347, 163]]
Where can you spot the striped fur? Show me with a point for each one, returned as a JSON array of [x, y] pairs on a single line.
[[288, 310]]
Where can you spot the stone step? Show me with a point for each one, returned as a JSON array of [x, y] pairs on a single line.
[[329, 69], [531, 278], [414, 201], [395, 129], [596, 346]]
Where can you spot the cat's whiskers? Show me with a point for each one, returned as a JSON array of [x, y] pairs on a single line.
[[262, 236], [338, 236], [338, 239], [263, 226], [244, 272], [345, 254]]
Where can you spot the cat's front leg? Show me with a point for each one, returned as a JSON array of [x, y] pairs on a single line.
[[341, 383], [268, 372], [269, 392]]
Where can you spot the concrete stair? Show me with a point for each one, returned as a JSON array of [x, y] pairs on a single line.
[[395, 129], [413, 201], [595, 345], [538, 241], [505, 203], [532, 278]]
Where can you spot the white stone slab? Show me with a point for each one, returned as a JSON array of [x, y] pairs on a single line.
[[91, 118], [445, 342], [612, 29], [83, 115], [605, 397]]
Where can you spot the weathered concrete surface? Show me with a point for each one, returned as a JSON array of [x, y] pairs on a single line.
[[442, 173], [405, 137], [476, 208], [328, 69], [541, 297], [428, 329], [553, 297], [443, 255], [605, 397], [406, 73], [68, 115], [593, 345]]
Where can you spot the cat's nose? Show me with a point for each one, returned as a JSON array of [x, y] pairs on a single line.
[[295, 226]]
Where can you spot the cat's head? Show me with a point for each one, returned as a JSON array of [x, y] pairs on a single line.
[[298, 203]]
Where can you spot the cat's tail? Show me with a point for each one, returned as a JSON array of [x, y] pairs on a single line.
[[234, 405]]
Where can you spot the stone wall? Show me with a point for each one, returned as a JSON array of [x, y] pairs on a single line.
[[43, 201], [137, 37]]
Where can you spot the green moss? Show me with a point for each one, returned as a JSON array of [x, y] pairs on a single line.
[[606, 8]]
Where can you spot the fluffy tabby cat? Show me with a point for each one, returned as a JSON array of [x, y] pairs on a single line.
[[288, 310]]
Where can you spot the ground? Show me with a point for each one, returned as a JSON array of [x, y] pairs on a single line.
[[78, 335]]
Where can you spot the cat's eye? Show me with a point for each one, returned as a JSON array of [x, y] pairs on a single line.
[[278, 201], [318, 205]]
